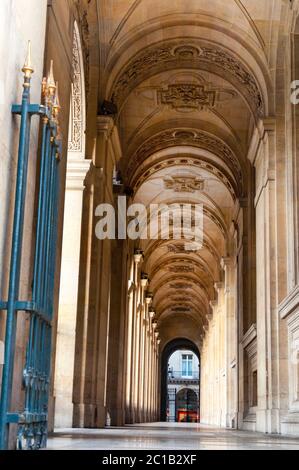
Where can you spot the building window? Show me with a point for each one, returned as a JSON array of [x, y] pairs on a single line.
[[187, 365]]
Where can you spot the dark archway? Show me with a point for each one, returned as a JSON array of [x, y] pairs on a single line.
[[171, 347]]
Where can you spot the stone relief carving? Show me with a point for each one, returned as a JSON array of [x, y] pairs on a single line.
[[181, 269], [85, 38], [75, 138], [190, 97], [182, 248], [179, 299], [180, 309], [177, 248], [85, 49], [183, 184], [180, 285], [189, 247], [181, 96], [174, 54]]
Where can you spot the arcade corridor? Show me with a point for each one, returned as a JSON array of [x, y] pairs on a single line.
[[149, 204]]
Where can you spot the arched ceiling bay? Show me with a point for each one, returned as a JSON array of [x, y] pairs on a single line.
[[190, 81]]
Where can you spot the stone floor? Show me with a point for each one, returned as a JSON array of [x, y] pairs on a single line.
[[163, 436]]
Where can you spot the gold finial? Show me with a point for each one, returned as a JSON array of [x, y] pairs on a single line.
[[28, 69], [56, 104], [50, 80], [44, 86]]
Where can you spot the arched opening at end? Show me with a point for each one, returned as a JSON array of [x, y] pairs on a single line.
[[180, 382]]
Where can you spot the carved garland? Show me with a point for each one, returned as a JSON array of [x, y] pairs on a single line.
[[181, 248], [184, 54]]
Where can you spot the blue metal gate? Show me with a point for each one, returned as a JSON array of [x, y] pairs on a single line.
[[32, 420]]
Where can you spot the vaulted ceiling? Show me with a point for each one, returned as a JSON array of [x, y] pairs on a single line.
[[190, 79]]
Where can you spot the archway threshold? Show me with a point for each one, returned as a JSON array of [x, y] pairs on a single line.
[[166, 436]]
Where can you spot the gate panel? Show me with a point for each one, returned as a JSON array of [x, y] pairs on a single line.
[[32, 421]]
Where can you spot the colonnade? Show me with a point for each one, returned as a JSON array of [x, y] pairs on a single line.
[[218, 381], [142, 368]]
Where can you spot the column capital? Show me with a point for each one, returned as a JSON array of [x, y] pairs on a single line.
[[105, 124], [226, 262], [107, 129], [209, 317], [148, 297], [144, 280], [94, 176], [137, 257], [218, 286], [264, 126], [77, 169]]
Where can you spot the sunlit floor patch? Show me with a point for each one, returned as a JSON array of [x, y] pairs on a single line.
[[166, 436]]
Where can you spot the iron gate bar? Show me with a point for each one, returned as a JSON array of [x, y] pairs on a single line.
[[32, 421]]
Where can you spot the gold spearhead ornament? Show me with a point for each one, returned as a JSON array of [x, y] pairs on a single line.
[[50, 80], [28, 69]]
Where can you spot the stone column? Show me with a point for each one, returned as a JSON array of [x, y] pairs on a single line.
[[267, 417], [133, 398], [140, 359], [150, 375], [85, 313], [152, 332], [69, 277], [90, 378], [222, 347], [129, 351], [213, 359], [154, 376], [117, 340], [156, 381], [147, 372], [144, 360], [229, 267]]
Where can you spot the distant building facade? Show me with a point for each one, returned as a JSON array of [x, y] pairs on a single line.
[[183, 387]]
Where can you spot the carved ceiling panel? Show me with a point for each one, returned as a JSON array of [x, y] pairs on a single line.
[[181, 269], [183, 184], [180, 285], [184, 53], [183, 96], [188, 97]]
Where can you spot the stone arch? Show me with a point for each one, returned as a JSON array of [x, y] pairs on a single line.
[[169, 348], [170, 55]]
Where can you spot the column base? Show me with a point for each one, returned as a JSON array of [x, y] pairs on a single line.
[[88, 415], [290, 424]]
